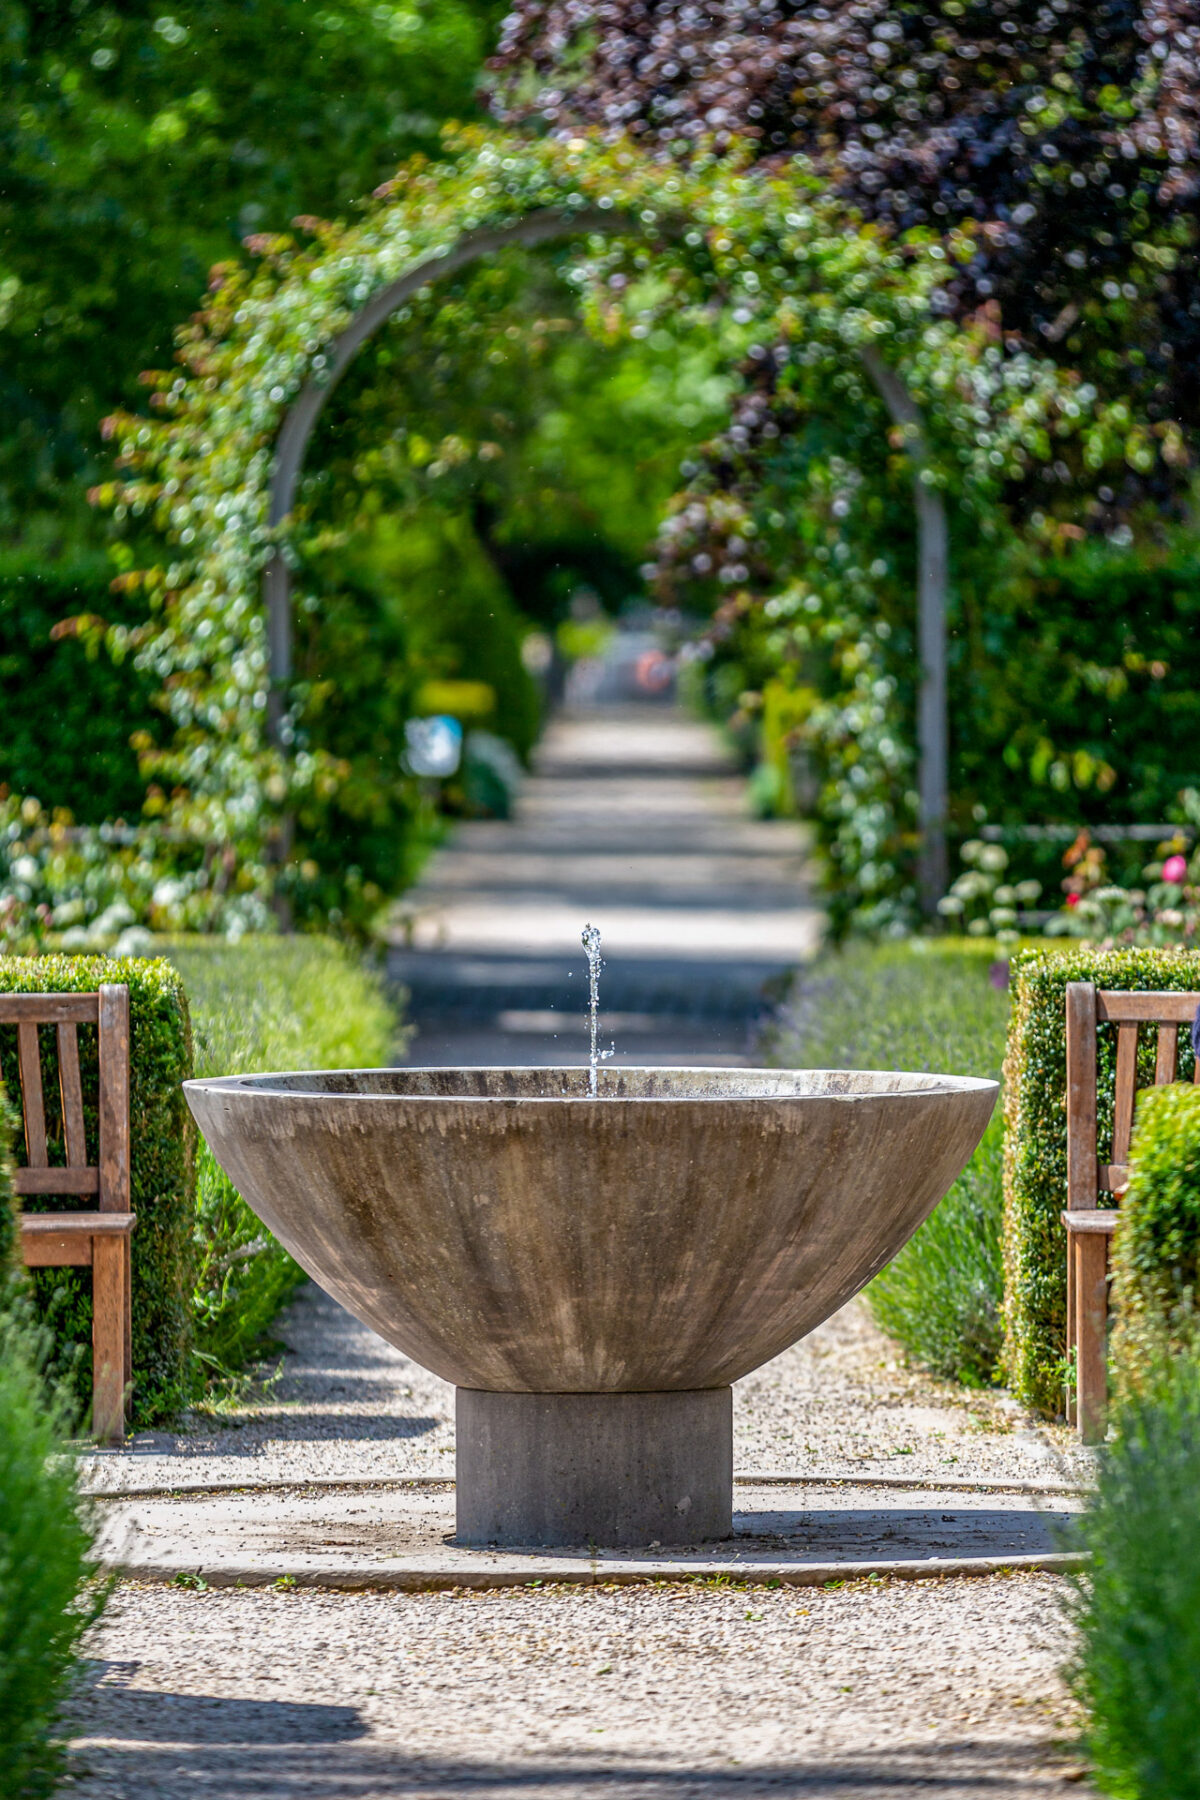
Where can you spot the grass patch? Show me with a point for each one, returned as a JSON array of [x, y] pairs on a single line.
[[259, 1005], [922, 1005]]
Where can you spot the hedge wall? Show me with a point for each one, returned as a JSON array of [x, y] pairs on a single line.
[[1156, 1253], [1035, 1159], [69, 710], [163, 1185]]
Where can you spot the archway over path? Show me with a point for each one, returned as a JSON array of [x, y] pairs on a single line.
[[222, 465], [548, 226]]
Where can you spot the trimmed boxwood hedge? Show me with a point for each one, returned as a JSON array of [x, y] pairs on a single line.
[[163, 1166], [1156, 1253], [1035, 1172]]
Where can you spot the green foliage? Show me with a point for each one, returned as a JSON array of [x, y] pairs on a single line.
[[87, 883], [1074, 672], [263, 1004], [139, 148], [45, 1547], [1052, 136], [69, 709], [1035, 1174], [389, 607], [45, 1566], [1156, 1253], [1136, 1668], [777, 256], [162, 1169], [486, 405], [922, 1005]]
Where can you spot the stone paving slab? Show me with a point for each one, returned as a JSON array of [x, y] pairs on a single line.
[[634, 819], [403, 1536]]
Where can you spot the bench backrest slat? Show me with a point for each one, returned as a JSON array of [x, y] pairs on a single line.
[[50, 1009], [1125, 1097], [71, 1091], [109, 1177]]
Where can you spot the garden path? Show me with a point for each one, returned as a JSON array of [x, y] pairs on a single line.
[[634, 819], [944, 1687], [941, 1690]]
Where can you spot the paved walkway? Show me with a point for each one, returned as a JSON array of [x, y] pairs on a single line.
[[635, 821]]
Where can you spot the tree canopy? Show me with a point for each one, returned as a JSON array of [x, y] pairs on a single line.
[[139, 147], [1061, 136]]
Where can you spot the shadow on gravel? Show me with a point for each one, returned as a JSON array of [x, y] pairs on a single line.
[[260, 1765], [867, 1533], [202, 1720], [301, 1426]]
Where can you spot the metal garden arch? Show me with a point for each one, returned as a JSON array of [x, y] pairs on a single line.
[[547, 225]]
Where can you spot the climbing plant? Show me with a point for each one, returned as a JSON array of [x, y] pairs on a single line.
[[761, 256]]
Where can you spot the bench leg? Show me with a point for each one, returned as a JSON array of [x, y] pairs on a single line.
[[1072, 1332], [127, 1267], [110, 1257], [1091, 1318]]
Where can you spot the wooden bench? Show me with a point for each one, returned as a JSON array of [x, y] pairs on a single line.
[[1090, 1226], [98, 1240]]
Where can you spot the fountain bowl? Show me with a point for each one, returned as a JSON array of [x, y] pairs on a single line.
[[592, 1273]]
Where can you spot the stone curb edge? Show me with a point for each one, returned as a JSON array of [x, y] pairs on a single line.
[[435, 1578], [296, 1484]]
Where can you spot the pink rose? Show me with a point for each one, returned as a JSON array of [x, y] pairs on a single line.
[[1175, 869]]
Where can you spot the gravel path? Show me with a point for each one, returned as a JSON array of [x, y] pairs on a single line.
[[347, 1405], [941, 1688]]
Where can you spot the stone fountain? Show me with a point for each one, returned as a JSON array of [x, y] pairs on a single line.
[[593, 1271]]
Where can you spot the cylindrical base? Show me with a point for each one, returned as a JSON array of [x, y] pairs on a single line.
[[602, 1469]]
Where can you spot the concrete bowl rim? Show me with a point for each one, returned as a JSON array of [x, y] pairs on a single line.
[[935, 1083]]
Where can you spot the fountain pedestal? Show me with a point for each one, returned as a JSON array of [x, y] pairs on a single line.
[[609, 1469]]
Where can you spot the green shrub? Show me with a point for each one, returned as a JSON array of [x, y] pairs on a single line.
[[45, 1562], [1035, 1162], [1136, 1667], [1156, 1252], [44, 1546], [922, 1004], [266, 1004], [162, 1168], [69, 710]]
